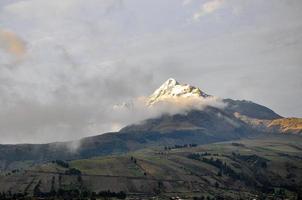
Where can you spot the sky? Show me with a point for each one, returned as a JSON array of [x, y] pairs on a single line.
[[63, 64]]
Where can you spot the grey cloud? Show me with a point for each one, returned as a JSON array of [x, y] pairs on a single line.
[[93, 54]]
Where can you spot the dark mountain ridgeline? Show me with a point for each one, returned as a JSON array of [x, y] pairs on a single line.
[[250, 109]]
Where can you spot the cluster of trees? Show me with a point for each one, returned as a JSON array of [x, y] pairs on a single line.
[[73, 171], [238, 144], [253, 161], [61, 163], [76, 193], [256, 160], [135, 162], [64, 194], [204, 198], [180, 146], [133, 159], [198, 156], [9, 195], [222, 166], [12, 172], [80, 194], [119, 195]]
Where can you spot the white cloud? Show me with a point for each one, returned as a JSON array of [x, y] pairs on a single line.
[[137, 110], [82, 56], [208, 8], [186, 2]]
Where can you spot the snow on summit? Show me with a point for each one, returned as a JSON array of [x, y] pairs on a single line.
[[172, 97], [172, 89]]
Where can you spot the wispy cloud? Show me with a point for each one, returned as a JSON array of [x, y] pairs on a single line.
[[208, 8]]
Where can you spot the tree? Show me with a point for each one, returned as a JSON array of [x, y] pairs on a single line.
[[219, 173], [73, 171], [37, 191]]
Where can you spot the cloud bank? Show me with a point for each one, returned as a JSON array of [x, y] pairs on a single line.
[[81, 57], [138, 110]]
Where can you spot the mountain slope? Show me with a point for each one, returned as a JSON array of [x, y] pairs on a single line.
[[286, 125], [250, 109], [125, 141], [248, 114], [198, 125], [211, 121], [268, 166]]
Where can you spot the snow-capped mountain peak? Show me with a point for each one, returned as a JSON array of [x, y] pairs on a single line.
[[173, 89]]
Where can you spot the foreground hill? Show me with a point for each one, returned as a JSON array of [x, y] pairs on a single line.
[[266, 167]]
